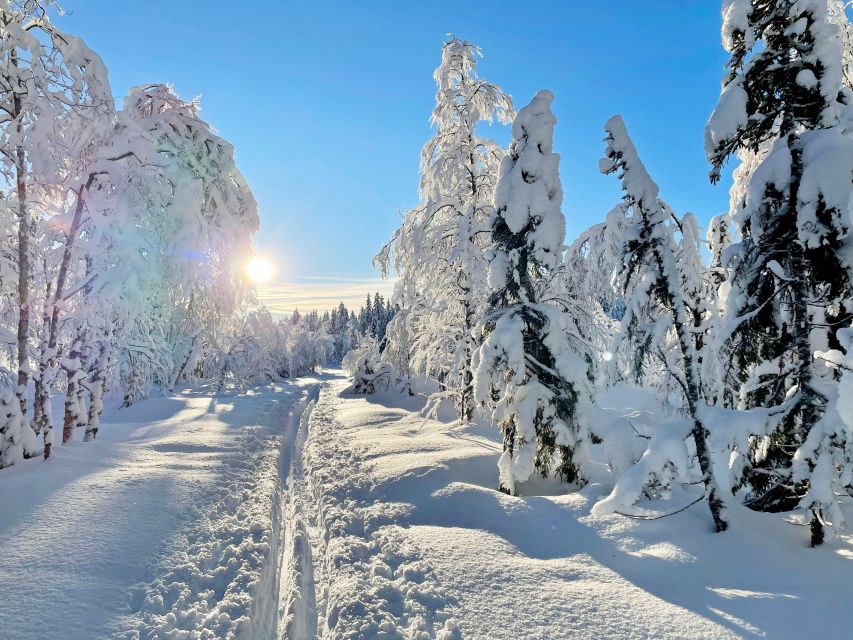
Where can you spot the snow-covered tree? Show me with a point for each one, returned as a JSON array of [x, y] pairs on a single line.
[[585, 287], [658, 307], [698, 292], [830, 443], [364, 364], [719, 239], [526, 370], [718, 387], [51, 87], [785, 107], [440, 247], [202, 234]]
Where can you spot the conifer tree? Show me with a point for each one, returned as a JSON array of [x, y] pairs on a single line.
[[525, 371], [784, 105], [655, 287]]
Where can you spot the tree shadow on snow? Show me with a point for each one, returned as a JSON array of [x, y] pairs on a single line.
[[743, 580]]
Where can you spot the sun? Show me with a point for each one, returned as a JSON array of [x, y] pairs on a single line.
[[259, 270]]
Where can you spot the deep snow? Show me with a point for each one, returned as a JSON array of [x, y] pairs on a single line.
[[541, 566], [303, 509]]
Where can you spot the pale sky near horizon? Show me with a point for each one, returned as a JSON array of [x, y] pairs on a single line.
[[327, 104]]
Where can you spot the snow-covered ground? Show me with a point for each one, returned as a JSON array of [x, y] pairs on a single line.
[[167, 526], [415, 536], [302, 510]]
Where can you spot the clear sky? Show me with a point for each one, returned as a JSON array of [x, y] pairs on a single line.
[[328, 103]]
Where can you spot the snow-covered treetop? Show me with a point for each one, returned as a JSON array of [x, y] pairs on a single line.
[[719, 238], [620, 155], [51, 87], [462, 100], [182, 134], [529, 194], [459, 85], [786, 70], [225, 201]]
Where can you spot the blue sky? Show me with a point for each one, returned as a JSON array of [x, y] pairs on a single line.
[[328, 103]]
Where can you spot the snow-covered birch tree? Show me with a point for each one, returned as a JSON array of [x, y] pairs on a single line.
[[51, 87], [440, 247]]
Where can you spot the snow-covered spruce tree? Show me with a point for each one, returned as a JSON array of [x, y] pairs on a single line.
[[785, 105], [524, 369], [440, 248], [656, 298], [719, 389], [718, 239], [698, 292]]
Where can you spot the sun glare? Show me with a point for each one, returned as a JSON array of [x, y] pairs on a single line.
[[259, 270]]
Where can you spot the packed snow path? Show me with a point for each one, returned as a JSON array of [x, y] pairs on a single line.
[[167, 526]]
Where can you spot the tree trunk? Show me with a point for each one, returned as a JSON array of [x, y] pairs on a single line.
[[465, 402], [41, 399], [73, 373], [47, 359], [75, 403], [96, 391], [83, 415], [183, 368], [692, 392], [810, 401], [509, 444], [23, 260]]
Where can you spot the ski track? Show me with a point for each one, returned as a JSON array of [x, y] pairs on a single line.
[[168, 526], [227, 584], [297, 612]]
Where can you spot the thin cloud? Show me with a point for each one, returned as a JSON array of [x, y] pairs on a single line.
[[320, 293]]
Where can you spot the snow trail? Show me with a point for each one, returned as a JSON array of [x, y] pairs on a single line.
[[297, 613], [362, 577], [168, 525]]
